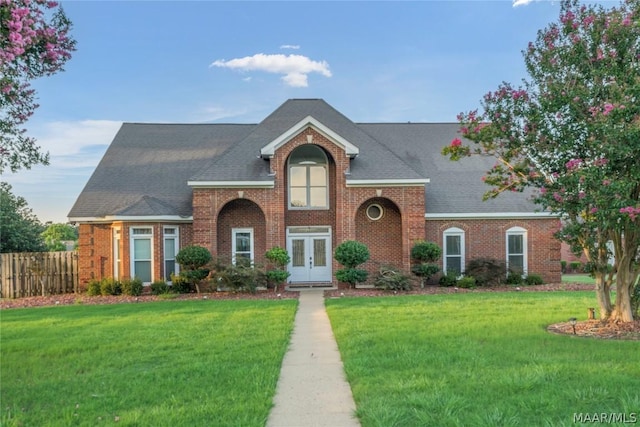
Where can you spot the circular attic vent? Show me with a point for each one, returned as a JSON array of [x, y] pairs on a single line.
[[374, 212]]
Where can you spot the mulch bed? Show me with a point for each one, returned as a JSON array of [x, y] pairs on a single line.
[[589, 328]]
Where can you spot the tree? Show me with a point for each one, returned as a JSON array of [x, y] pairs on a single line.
[[572, 132], [55, 234], [34, 42], [193, 259], [279, 258], [20, 229], [351, 254], [424, 255]]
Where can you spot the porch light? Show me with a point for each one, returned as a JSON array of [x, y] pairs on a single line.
[[573, 322]]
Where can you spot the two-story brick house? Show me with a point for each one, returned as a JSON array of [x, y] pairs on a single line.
[[306, 178]]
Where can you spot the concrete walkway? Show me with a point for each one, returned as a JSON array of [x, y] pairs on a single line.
[[312, 389]]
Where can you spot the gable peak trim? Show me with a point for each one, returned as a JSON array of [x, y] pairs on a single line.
[[309, 122]]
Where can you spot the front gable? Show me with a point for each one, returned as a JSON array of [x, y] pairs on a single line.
[[350, 149]]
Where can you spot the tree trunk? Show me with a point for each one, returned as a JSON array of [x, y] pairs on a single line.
[[624, 284], [603, 295]]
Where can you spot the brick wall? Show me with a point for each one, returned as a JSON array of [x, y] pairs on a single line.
[[487, 238]]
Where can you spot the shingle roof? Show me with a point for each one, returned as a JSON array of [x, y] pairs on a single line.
[[146, 168]]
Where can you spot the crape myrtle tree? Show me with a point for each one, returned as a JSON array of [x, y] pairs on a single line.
[[572, 132], [34, 42]]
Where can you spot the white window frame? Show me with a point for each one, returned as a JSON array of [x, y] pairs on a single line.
[[453, 231], [234, 233], [176, 247], [132, 238], [518, 231], [307, 168], [117, 255]]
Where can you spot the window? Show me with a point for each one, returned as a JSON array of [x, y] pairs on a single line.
[[374, 212], [171, 247], [116, 253], [308, 178], [142, 253], [517, 250], [453, 240], [242, 246]]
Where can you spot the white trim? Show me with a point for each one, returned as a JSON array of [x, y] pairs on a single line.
[[387, 182], [117, 253], [491, 215], [231, 184], [234, 232], [518, 231], [453, 231], [113, 218], [176, 248], [132, 259], [269, 150]]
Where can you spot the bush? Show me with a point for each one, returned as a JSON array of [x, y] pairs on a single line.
[[279, 257], [467, 282], [533, 279], [181, 284], [575, 266], [160, 287], [514, 279], [132, 287], [239, 278], [563, 266], [424, 251], [449, 279], [635, 300], [351, 253], [93, 288], [487, 271], [109, 286], [193, 257], [391, 278]]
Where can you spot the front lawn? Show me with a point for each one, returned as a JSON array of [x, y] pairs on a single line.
[[480, 359], [578, 278], [178, 363]]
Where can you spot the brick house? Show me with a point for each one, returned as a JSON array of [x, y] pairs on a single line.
[[306, 178]]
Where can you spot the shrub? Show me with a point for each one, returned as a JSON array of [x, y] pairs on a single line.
[[575, 266], [351, 254], [514, 279], [132, 287], [93, 288], [424, 254], [279, 257], [109, 286], [533, 279], [563, 266], [391, 278], [635, 300], [487, 271], [181, 284], [449, 279], [193, 259], [239, 278], [160, 287], [467, 282]]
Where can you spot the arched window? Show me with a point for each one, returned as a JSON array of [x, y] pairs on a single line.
[[517, 250], [308, 178], [453, 249]]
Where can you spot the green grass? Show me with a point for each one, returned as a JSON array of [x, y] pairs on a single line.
[[578, 278], [480, 360], [178, 363]]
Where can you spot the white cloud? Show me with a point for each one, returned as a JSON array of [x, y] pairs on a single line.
[[517, 3], [290, 46], [65, 138], [294, 67]]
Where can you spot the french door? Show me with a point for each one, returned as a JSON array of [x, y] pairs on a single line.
[[310, 252]]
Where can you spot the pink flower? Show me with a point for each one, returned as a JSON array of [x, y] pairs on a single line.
[[607, 108], [593, 210], [456, 142], [573, 164]]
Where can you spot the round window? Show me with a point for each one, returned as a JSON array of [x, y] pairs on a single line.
[[374, 212]]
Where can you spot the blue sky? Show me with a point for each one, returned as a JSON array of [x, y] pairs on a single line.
[[235, 62]]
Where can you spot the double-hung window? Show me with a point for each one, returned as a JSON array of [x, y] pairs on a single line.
[[242, 246], [171, 247], [517, 250], [453, 261], [308, 178], [142, 253]]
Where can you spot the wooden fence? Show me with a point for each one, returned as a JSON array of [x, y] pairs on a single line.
[[29, 274]]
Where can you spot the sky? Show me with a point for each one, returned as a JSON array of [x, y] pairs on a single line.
[[236, 62]]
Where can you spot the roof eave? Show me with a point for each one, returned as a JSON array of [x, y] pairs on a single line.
[[130, 218], [400, 182], [490, 215], [231, 184]]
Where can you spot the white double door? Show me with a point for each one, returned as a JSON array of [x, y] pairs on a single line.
[[310, 252]]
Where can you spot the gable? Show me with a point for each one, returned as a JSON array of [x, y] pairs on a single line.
[[309, 122]]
